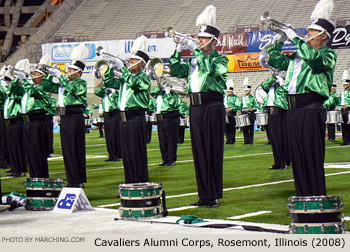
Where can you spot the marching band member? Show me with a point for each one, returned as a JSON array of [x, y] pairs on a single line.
[[308, 83], [277, 125], [14, 120], [248, 106], [168, 122], [344, 102], [134, 91], [110, 110], [184, 111], [330, 105], [34, 104], [206, 74], [71, 102], [232, 105]]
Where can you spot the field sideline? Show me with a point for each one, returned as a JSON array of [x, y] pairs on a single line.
[[251, 191]]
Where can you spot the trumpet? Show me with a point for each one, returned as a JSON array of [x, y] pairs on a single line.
[[55, 67], [179, 38], [157, 71], [16, 72], [101, 66], [276, 25]]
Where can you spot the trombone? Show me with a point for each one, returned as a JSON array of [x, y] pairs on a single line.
[[157, 71], [276, 25], [179, 38]]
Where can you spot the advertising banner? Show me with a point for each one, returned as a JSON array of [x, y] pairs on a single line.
[[341, 37], [247, 62]]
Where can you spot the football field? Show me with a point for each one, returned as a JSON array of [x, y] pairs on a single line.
[[251, 192]]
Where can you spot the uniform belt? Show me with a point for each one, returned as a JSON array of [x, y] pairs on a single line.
[[170, 114], [132, 115], [71, 110], [34, 117], [277, 111], [206, 98], [305, 101], [111, 113]]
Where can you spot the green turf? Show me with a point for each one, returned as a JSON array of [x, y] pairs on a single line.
[[244, 165]]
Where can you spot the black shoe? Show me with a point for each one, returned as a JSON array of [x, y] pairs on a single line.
[[274, 167], [171, 163], [283, 167], [200, 203], [162, 164], [20, 174], [76, 185], [115, 159], [109, 160], [213, 203], [9, 171]]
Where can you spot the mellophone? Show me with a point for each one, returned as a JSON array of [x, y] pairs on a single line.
[[42, 193], [142, 200], [316, 215]]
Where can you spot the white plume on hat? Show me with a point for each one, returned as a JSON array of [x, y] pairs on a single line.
[[230, 84], [245, 82], [78, 53], [23, 65], [323, 9], [139, 44], [45, 60], [346, 75], [207, 17]]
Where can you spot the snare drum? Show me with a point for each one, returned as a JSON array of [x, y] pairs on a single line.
[[227, 113], [42, 193], [316, 215], [98, 121], [334, 117], [88, 123], [242, 120], [140, 200], [152, 119], [261, 119], [184, 122]]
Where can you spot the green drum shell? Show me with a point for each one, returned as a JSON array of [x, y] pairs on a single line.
[[137, 191], [39, 204], [315, 204], [43, 183], [317, 228], [137, 213]]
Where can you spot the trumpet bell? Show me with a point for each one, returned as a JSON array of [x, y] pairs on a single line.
[[155, 68], [100, 69]]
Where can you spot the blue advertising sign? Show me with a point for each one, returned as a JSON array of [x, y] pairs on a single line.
[[258, 39]]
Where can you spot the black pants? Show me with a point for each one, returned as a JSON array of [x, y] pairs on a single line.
[[167, 134], [49, 122], [278, 135], [15, 144], [112, 128], [331, 131], [345, 127], [248, 131], [307, 141], [207, 125], [134, 147], [36, 141], [100, 130], [230, 128], [4, 155], [73, 145]]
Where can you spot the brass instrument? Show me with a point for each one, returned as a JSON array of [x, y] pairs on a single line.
[[276, 25], [55, 67], [179, 38], [101, 66], [157, 71], [15, 72]]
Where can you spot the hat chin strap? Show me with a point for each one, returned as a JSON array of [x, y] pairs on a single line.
[[307, 39], [69, 74], [210, 40], [133, 65]]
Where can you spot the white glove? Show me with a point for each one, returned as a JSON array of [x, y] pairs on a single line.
[[55, 72], [118, 63], [167, 89], [190, 45], [290, 33], [180, 47], [281, 37], [20, 76]]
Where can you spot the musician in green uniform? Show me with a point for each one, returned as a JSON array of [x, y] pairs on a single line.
[[232, 106], [110, 110], [206, 73], [344, 106], [248, 106], [133, 101], [184, 111], [330, 105], [308, 84], [71, 103], [34, 104], [168, 122]]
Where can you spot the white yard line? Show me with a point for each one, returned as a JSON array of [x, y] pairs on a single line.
[[181, 208], [237, 217]]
